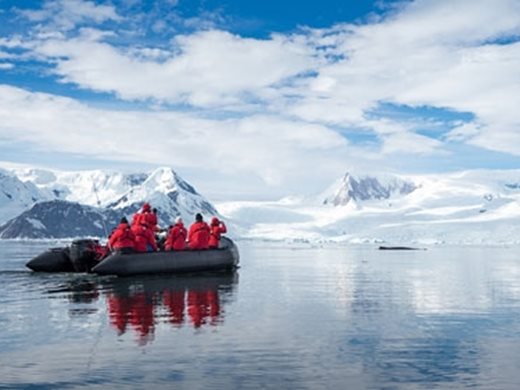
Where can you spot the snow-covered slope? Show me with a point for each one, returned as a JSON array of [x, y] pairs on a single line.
[[16, 195], [355, 188], [465, 207], [169, 193], [121, 193], [91, 188], [462, 207]]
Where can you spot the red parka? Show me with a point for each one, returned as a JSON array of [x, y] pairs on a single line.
[[149, 219], [176, 239], [198, 235], [143, 238], [145, 216], [216, 229], [122, 237]]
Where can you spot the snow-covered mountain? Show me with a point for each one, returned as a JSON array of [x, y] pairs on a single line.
[[472, 207], [366, 187], [169, 193], [95, 192], [60, 219], [16, 195], [463, 207]]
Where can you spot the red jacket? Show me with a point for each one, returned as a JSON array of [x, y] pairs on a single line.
[[215, 231], [176, 239], [143, 238], [146, 217], [198, 235], [151, 218], [122, 237]]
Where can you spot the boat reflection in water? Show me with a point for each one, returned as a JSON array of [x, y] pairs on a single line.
[[139, 303]]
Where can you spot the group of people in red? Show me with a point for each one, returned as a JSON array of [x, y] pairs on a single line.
[[140, 235]]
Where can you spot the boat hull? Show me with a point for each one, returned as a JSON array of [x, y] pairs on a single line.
[[52, 260], [226, 257], [78, 257]]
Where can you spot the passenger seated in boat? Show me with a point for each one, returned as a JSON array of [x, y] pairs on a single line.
[[198, 236], [146, 216], [122, 238], [217, 228], [136, 218], [144, 238], [152, 221], [176, 240]]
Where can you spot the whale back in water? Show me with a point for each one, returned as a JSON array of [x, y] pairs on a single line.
[[399, 248]]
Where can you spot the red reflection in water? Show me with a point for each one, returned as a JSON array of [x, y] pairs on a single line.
[[136, 310], [203, 306], [142, 316], [119, 311], [186, 306], [174, 301]]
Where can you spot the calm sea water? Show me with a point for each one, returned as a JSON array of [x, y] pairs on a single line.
[[296, 318]]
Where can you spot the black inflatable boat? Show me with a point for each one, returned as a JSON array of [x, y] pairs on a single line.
[[81, 257]]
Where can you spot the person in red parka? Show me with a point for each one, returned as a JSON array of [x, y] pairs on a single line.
[[146, 216], [176, 240], [144, 238], [136, 219], [198, 236], [149, 217], [216, 229], [122, 238], [152, 220]]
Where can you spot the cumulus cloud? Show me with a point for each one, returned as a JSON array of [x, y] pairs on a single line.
[[268, 147], [441, 54], [210, 68], [276, 106]]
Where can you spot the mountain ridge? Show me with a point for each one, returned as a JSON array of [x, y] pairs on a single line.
[[97, 192], [478, 206], [356, 187], [466, 207]]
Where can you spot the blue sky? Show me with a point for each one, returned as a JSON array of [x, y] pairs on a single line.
[[260, 99]]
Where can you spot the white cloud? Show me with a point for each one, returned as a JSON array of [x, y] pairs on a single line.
[[286, 92], [5, 56], [269, 147], [410, 143], [501, 137], [67, 14], [430, 53], [210, 68], [464, 132]]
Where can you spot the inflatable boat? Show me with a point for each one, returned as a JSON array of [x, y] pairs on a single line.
[[80, 257]]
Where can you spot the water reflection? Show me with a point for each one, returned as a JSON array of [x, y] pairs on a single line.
[[140, 303], [318, 319]]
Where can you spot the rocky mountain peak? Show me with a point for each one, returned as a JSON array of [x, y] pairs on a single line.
[[96, 192], [357, 188]]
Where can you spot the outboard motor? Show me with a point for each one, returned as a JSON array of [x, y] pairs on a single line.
[[83, 254]]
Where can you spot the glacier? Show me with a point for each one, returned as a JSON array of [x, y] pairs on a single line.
[[469, 207], [465, 207]]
